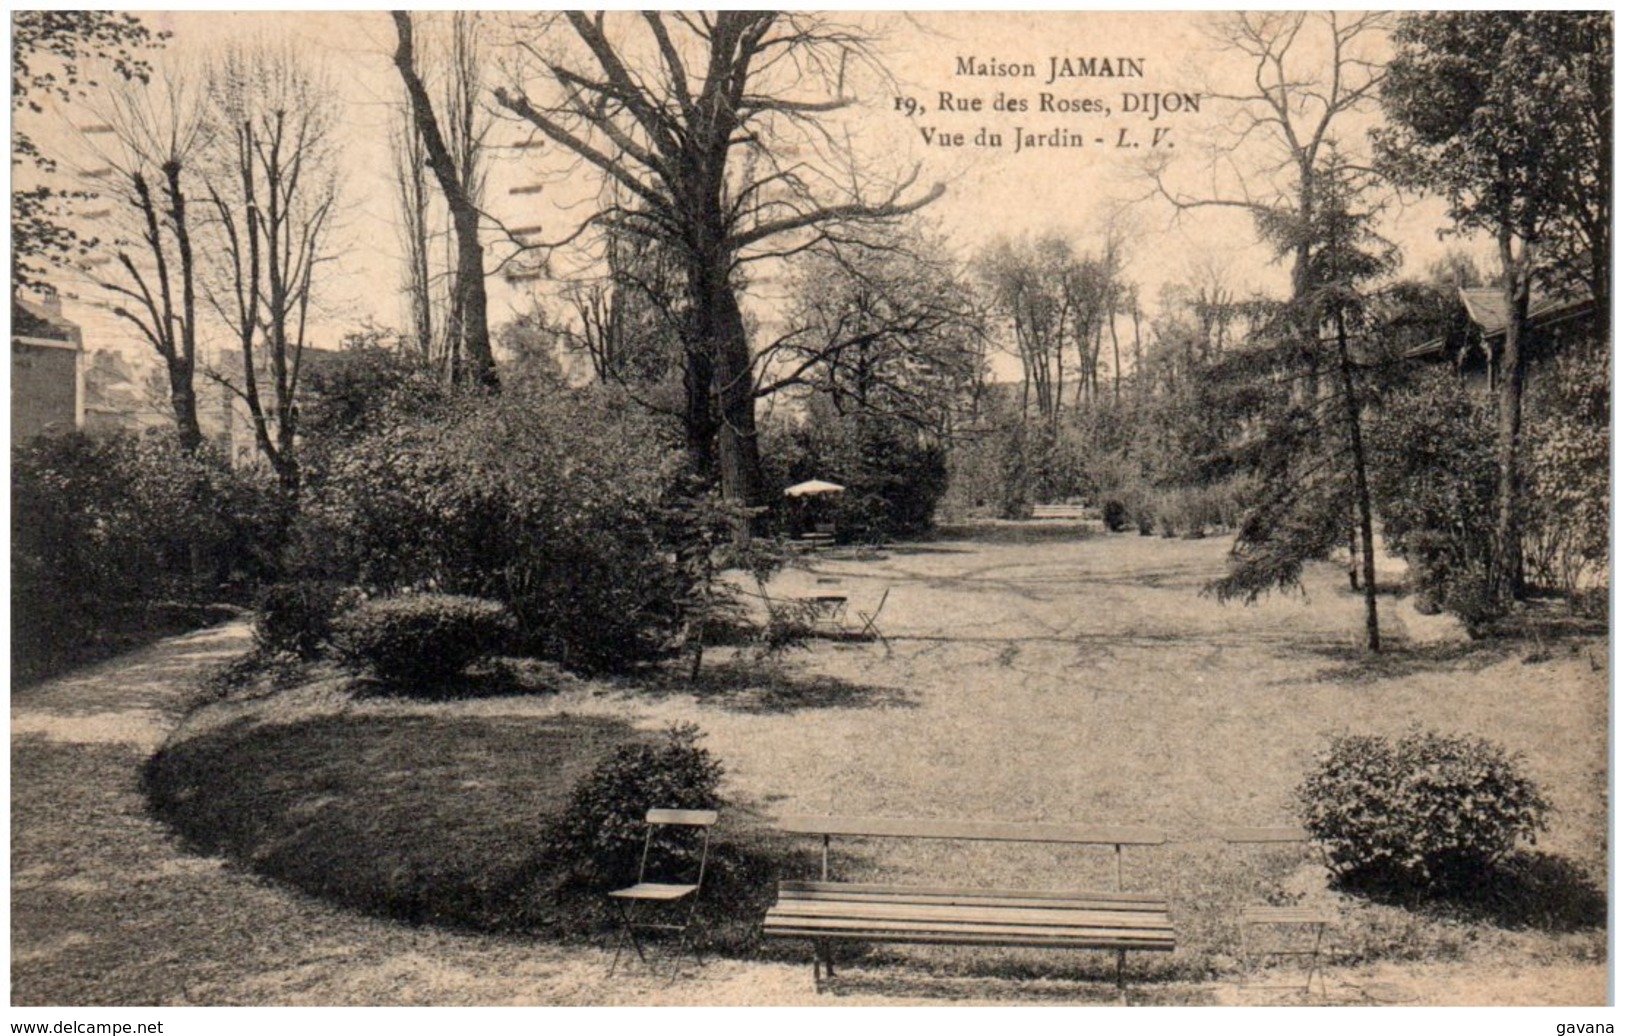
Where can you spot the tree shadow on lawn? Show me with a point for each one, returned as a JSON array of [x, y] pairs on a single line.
[[422, 819], [1536, 636], [908, 550], [1003, 974], [436, 821], [500, 678], [1356, 665], [1526, 890], [766, 687]]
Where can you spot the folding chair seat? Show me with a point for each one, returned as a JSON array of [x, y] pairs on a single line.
[[1312, 921], [637, 905]]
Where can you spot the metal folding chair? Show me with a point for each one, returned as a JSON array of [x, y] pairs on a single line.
[[658, 897], [868, 619], [1281, 919]]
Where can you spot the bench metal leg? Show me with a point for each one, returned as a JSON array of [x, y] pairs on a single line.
[[1122, 988], [822, 954]]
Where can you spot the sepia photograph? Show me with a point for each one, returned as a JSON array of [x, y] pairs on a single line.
[[810, 509]]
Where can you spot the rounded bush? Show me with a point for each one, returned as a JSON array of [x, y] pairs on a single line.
[[601, 832], [420, 638], [297, 616], [1423, 811]]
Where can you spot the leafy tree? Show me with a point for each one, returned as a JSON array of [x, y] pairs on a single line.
[[1304, 443], [105, 526], [1567, 528], [1433, 464], [557, 504], [54, 53], [894, 476], [1508, 116]]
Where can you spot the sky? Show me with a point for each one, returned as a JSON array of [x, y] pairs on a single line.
[[994, 186]]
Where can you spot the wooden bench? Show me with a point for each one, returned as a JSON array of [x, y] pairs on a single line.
[[824, 911], [1049, 512]]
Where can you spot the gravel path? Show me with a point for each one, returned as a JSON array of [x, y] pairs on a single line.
[[108, 908]]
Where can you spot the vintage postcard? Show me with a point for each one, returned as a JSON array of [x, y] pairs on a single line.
[[827, 508]]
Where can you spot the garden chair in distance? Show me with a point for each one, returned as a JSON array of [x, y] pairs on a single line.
[[636, 904], [869, 619]]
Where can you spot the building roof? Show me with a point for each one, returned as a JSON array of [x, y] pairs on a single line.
[[33, 321], [1486, 308]]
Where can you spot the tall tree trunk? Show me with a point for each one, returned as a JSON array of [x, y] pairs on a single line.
[[1508, 575], [737, 449], [1362, 489], [474, 333], [470, 303], [182, 387], [1117, 360], [1135, 312]]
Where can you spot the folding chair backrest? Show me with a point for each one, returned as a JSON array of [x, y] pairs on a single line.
[[701, 818], [1285, 835]]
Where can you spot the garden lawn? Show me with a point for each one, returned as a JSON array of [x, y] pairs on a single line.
[[1059, 678]]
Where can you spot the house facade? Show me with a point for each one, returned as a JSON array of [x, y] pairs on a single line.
[[47, 369]]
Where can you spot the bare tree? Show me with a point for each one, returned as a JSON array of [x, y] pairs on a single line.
[[711, 134], [626, 322], [452, 145], [272, 187], [416, 234], [146, 143], [892, 332], [1310, 71], [1027, 283]]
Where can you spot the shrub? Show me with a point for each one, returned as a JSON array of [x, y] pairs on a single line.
[[1471, 594], [1433, 481], [297, 617], [558, 504], [105, 528], [1426, 812], [893, 480], [1566, 516], [418, 639], [1114, 514], [600, 834]]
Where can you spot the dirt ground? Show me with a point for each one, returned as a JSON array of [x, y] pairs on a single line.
[[1092, 660]]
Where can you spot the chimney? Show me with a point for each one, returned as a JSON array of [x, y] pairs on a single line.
[[49, 300]]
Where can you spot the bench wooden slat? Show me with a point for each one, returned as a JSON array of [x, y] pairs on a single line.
[[1288, 915], [1009, 935], [837, 893], [691, 817], [1263, 835], [835, 902], [967, 914], [975, 830]]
